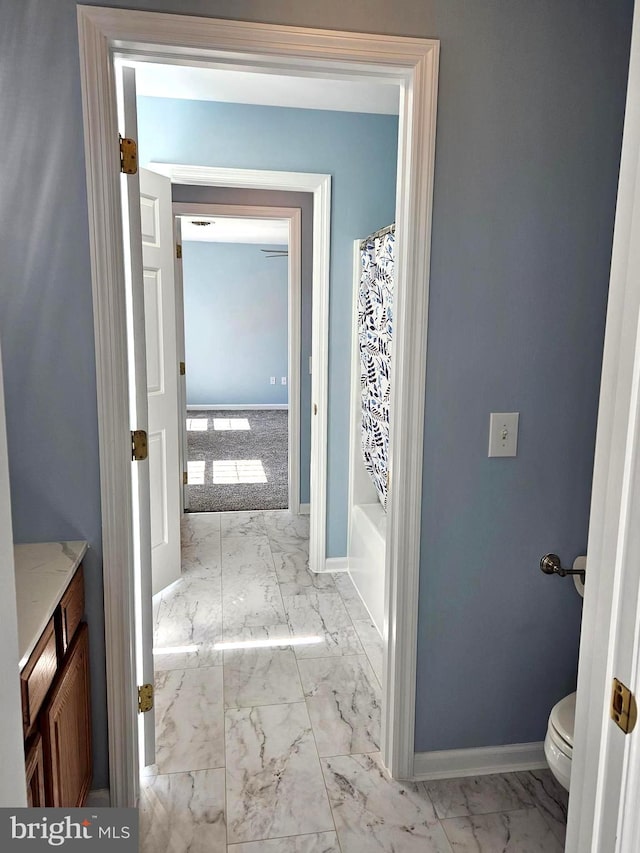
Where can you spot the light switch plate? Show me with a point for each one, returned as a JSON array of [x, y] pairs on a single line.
[[503, 433]]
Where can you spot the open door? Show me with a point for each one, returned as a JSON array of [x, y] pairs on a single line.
[[138, 412], [605, 774], [162, 371]]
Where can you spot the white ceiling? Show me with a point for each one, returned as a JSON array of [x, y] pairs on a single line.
[[274, 90], [266, 232]]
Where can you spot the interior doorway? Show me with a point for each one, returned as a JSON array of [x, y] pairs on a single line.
[[409, 64], [241, 280]]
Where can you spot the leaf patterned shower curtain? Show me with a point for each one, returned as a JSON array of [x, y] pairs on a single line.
[[375, 329]]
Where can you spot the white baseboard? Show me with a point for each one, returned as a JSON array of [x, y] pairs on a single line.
[[455, 763], [335, 564], [228, 406], [305, 509]]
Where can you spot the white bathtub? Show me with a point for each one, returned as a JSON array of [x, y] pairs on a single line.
[[367, 546]]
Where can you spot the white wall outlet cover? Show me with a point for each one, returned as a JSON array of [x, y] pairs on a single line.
[[272, 380], [283, 380], [503, 433]]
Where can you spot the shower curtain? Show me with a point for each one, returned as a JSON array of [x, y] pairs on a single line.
[[375, 329]]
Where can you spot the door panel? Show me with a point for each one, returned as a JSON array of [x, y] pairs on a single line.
[[162, 377], [153, 330], [158, 488], [149, 220]]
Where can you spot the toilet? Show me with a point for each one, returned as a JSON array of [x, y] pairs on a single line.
[[558, 743]]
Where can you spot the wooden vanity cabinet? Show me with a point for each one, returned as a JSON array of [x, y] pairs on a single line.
[[56, 706], [66, 728]]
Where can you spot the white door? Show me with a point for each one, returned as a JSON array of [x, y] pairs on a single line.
[[604, 816], [162, 363], [138, 416], [182, 379]]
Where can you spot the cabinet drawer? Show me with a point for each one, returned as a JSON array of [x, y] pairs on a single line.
[[38, 674], [71, 610]]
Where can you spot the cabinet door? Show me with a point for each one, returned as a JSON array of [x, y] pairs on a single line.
[[66, 728], [34, 763]]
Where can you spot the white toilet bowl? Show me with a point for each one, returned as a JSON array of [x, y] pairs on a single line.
[[558, 744]]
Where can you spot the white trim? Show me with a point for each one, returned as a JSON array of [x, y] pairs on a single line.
[[12, 793], [416, 152], [305, 509], [110, 324], [320, 186], [412, 63], [293, 215], [455, 763], [234, 406], [335, 564]]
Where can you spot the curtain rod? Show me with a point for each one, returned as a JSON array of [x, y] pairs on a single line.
[[389, 229]]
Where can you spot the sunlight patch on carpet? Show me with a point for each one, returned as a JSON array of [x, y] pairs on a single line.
[[230, 423], [195, 472], [238, 471], [197, 424]]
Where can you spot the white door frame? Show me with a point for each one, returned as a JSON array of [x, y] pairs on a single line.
[[412, 63], [605, 776], [12, 769], [293, 216], [320, 187]]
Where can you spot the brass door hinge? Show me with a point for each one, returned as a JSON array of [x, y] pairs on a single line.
[[183, 368], [128, 156], [624, 711], [178, 251], [185, 478], [139, 447], [145, 698]]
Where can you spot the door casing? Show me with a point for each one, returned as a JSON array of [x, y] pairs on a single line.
[[411, 63]]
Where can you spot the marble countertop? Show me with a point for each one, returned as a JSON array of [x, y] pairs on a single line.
[[43, 572]]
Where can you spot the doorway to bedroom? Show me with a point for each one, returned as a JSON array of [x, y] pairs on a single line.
[[235, 294]]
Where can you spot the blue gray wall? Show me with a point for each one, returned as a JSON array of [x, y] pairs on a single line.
[[363, 199], [236, 324], [530, 116], [526, 174]]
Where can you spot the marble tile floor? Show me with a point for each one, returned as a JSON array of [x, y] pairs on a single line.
[[268, 699]]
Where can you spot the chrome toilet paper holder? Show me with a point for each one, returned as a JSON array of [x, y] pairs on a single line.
[[550, 564]]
